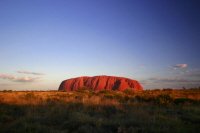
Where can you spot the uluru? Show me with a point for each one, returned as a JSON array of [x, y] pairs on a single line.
[[98, 83]]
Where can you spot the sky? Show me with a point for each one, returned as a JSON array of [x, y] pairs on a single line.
[[43, 42]]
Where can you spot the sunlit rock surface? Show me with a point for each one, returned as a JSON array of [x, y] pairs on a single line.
[[100, 83]]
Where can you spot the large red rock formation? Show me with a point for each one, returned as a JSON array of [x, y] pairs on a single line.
[[99, 83]]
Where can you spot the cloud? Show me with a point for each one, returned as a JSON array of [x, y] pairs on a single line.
[[193, 73], [179, 66], [28, 72], [26, 79], [173, 80], [18, 79]]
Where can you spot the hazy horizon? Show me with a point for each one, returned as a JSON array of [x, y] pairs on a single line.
[[44, 42]]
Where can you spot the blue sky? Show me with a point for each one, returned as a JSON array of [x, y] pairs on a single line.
[[43, 42]]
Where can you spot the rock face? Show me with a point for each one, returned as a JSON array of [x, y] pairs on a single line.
[[100, 83]]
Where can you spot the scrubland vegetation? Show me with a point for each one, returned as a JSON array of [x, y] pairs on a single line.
[[83, 111]]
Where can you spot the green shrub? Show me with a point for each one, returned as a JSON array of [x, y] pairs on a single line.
[[30, 95], [183, 101], [129, 91], [163, 99]]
